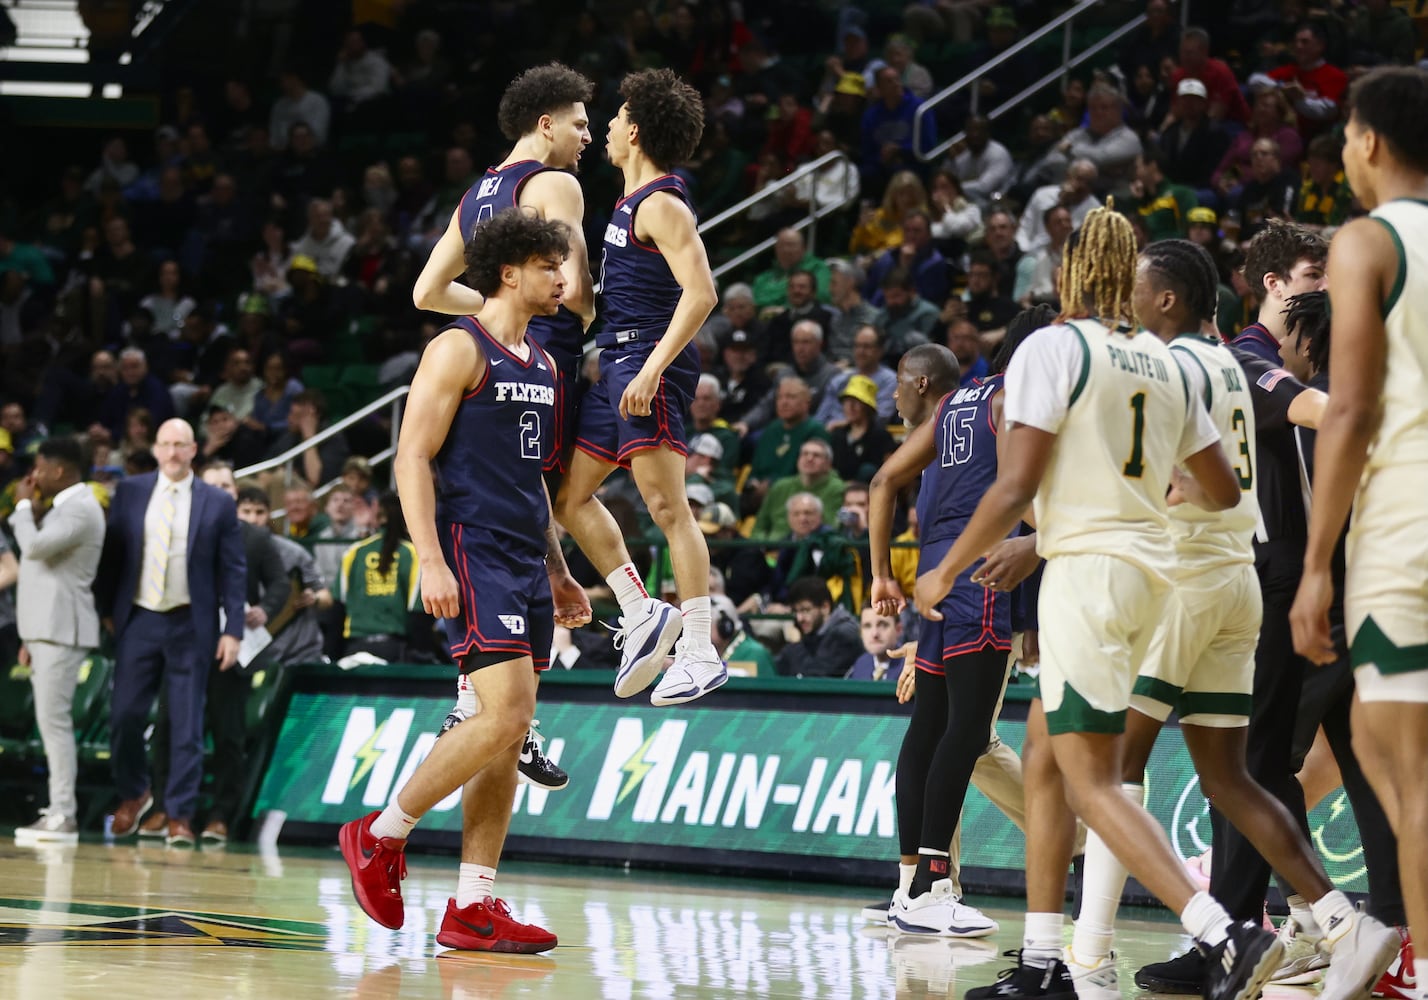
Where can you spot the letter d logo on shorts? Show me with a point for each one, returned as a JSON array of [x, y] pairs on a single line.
[[515, 624]]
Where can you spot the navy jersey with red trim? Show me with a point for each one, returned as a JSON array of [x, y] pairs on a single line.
[[499, 190], [489, 467], [638, 293], [965, 465]]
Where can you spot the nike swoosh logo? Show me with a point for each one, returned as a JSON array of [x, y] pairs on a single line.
[[527, 757], [618, 360], [497, 361], [487, 930]]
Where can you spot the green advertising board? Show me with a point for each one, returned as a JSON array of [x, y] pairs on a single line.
[[745, 782]]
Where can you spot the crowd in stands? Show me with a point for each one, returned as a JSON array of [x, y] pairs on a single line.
[[244, 263]]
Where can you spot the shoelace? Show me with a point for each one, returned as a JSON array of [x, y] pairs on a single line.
[[534, 735], [617, 635]]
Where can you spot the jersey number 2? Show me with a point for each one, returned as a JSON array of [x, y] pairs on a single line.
[[530, 435], [1135, 465]]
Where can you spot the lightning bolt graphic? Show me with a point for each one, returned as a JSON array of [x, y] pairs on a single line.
[[636, 767], [1340, 804], [368, 755]]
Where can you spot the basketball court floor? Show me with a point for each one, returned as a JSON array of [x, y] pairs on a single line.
[[139, 920]]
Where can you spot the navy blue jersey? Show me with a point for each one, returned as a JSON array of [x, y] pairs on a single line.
[[489, 468], [638, 293], [563, 334], [965, 465]]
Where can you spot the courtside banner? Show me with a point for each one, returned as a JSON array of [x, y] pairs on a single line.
[[744, 782]]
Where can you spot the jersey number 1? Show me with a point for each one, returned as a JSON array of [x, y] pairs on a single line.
[[1135, 465]]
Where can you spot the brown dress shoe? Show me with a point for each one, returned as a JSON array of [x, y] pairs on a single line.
[[216, 832], [127, 816], [180, 834], [155, 825]]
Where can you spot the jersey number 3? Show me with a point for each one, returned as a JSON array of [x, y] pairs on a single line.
[[530, 436]]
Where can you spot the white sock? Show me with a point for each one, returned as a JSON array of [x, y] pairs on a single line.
[[628, 587], [474, 884], [1420, 974], [1302, 915], [1335, 914], [904, 877], [1103, 879], [697, 617], [393, 823], [1041, 939], [466, 703], [1205, 919]]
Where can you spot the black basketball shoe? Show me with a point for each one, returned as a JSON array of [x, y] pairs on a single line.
[[1238, 967], [1051, 983]]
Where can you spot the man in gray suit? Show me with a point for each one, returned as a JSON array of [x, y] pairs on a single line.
[[56, 614]]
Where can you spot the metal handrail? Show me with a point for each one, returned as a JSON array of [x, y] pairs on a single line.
[[1062, 22], [392, 398]]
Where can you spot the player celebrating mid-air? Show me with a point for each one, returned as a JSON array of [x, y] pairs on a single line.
[[656, 290], [1372, 455], [543, 113], [481, 407], [1097, 417]]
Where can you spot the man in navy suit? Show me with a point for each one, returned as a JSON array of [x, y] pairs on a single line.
[[173, 557]]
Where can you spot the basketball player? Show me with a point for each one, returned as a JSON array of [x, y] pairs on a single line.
[[1372, 455], [1097, 418], [1201, 659], [543, 113], [481, 407], [961, 661], [656, 290]]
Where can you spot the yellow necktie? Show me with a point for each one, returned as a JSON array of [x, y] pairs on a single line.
[[156, 557]]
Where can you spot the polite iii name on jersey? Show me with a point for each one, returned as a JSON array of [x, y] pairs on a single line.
[[524, 392], [1138, 364]]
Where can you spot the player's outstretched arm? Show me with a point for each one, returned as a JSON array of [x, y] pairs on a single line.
[[669, 224], [903, 466], [451, 365], [557, 195], [1364, 264], [436, 288]]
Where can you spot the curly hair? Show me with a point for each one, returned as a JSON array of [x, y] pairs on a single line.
[[1307, 318], [511, 237], [1277, 247], [668, 112], [1188, 270], [543, 90], [1098, 267]]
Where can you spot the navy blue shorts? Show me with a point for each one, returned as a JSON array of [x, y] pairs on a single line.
[[567, 404], [611, 438], [973, 617], [506, 605]]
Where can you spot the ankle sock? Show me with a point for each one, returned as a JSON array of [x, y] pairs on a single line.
[[1205, 919], [628, 587], [1335, 914], [1041, 939], [905, 875], [393, 823], [697, 622], [474, 884]]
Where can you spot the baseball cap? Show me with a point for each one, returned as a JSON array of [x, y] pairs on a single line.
[[1192, 87], [1205, 216], [715, 517], [302, 262], [851, 83], [706, 444], [738, 338], [863, 389], [700, 494]]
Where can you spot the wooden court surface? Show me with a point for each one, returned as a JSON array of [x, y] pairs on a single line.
[[132, 920]]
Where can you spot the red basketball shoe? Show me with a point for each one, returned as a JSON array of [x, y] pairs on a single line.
[[378, 865], [1399, 981], [489, 926]]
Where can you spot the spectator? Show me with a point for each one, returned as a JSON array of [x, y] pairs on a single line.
[[802, 308], [306, 418], [867, 361], [379, 587], [880, 229], [737, 312], [887, 133], [114, 165], [297, 638], [303, 521], [138, 432], [790, 255], [704, 419], [830, 642], [168, 305], [1381, 32], [240, 386], [906, 318], [297, 105], [853, 312], [1268, 193], [361, 74], [955, 219], [853, 515], [1194, 143], [988, 309], [119, 273], [1313, 87], [273, 402], [1150, 99], [1010, 75], [1036, 272], [744, 655], [303, 171], [829, 187], [1105, 140], [777, 452], [1226, 101], [1075, 193], [1041, 163], [326, 241], [1324, 195], [137, 388], [930, 270], [983, 165], [860, 440], [999, 241], [1269, 120], [790, 136], [879, 633], [312, 312], [343, 527], [227, 440], [25, 258], [1163, 207], [846, 105], [1158, 38], [703, 468], [745, 382], [965, 342], [898, 54], [815, 476]]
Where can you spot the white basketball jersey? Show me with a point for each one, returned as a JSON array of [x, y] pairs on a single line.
[[1402, 436], [1118, 404], [1203, 538]]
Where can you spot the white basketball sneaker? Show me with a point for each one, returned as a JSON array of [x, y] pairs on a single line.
[[1098, 980], [1303, 963], [939, 911], [1357, 958], [693, 674], [644, 639], [53, 827]]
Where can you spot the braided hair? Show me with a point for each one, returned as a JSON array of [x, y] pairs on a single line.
[[1188, 270], [1098, 268], [1307, 316]]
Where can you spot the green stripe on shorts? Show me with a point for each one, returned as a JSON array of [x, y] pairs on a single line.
[[1076, 715], [1370, 645], [1159, 691], [1215, 703]]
